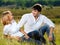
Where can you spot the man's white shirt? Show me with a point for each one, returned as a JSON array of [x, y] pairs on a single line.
[[30, 24], [11, 29]]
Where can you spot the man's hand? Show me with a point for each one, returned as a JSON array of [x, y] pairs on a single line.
[[50, 37], [50, 34], [26, 36]]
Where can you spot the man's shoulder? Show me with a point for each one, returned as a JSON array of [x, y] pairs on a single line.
[[42, 15], [28, 14]]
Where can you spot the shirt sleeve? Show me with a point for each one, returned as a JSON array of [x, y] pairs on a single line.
[[22, 22], [49, 22], [5, 31]]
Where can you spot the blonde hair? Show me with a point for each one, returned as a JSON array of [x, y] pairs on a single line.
[[5, 17], [6, 12], [4, 20]]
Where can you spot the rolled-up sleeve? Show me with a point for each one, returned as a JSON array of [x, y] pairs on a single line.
[[49, 22], [5, 31]]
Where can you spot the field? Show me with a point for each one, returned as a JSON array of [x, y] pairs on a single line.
[[20, 12], [4, 41]]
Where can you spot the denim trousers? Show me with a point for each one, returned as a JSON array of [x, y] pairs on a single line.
[[46, 29]]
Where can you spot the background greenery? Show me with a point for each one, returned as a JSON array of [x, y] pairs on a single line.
[[51, 9], [28, 3]]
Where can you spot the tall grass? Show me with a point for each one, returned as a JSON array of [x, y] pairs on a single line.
[[51, 13], [4, 41]]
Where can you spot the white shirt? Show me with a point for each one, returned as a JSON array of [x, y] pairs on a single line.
[[30, 24], [11, 29]]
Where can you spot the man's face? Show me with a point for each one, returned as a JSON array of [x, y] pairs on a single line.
[[35, 12]]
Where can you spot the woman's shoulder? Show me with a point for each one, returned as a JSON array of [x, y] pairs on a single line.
[[6, 26]]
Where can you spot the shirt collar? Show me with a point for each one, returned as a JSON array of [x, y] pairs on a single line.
[[38, 16]]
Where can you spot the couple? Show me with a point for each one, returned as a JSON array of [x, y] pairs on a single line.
[[35, 25]]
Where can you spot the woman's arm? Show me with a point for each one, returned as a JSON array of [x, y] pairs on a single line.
[[7, 36]]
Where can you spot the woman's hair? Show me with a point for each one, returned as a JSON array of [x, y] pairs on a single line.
[[5, 17], [4, 20], [6, 12]]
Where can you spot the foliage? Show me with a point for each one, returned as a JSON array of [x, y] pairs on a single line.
[[29, 3]]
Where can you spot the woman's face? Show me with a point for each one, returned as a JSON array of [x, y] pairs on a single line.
[[10, 17]]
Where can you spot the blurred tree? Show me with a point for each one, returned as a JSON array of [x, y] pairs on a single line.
[[29, 3]]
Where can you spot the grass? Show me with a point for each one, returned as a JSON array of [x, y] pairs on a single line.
[[54, 13], [4, 41]]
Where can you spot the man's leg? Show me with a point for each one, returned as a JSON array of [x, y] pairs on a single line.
[[35, 35], [53, 37], [42, 32], [46, 29], [33, 38]]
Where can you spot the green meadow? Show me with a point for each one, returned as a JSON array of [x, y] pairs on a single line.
[[52, 13]]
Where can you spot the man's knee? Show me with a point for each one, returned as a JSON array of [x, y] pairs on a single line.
[[46, 26]]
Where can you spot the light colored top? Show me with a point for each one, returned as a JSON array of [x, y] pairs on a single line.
[[30, 24], [11, 29]]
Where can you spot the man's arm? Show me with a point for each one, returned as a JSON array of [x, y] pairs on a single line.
[[25, 34], [22, 21], [51, 30], [51, 25], [49, 22], [21, 24], [50, 33]]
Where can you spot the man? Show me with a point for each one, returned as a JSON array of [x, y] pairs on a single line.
[[33, 21]]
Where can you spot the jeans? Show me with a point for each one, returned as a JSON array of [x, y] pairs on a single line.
[[35, 35], [30, 40], [46, 29]]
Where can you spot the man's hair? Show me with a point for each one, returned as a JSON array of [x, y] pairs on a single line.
[[37, 7]]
